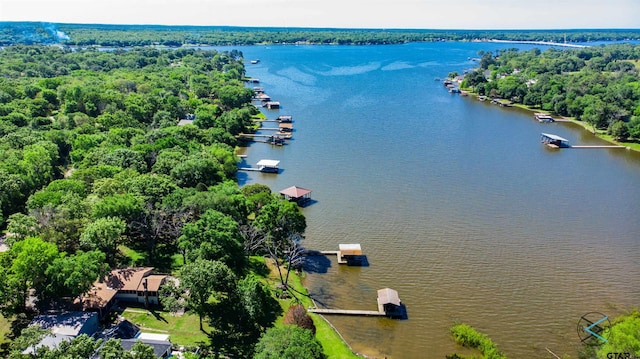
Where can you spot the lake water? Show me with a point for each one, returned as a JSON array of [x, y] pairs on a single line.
[[455, 202]]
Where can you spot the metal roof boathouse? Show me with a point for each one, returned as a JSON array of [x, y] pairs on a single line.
[[554, 141], [268, 165]]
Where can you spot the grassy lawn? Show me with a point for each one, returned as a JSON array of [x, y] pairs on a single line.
[[331, 341], [5, 327], [182, 330], [135, 258]]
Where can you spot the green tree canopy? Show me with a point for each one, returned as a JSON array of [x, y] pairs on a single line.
[[215, 236], [288, 342]]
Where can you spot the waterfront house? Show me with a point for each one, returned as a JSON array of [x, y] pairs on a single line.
[[130, 285], [63, 327], [128, 334], [159, 342]]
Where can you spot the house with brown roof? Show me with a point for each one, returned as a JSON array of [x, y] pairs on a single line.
[[131, 285]]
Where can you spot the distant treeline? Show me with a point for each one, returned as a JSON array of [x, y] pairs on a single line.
[[144, 35]]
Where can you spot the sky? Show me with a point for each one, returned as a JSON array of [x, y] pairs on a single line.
[[378, 14]]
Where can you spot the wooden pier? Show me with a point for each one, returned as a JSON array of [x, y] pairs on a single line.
[[334, 253], [600, 146], [251, 135], [366, 313]]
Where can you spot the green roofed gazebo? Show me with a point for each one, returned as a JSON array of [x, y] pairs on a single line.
[[296, 194]]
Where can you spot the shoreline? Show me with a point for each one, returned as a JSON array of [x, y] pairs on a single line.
[[544, 43], [600, 135]]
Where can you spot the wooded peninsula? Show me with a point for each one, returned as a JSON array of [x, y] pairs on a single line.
[[599, 85]]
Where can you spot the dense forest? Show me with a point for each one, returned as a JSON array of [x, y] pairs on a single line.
[[599, 85], [95, 174], [145, 35]]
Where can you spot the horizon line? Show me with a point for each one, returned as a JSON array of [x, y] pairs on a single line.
[[324, 28]]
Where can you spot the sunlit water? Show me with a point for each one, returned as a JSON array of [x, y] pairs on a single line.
[[455, 202]]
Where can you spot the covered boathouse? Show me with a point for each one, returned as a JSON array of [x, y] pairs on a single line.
[[268, 166], [389, 303], [554, 141], [296, 194]]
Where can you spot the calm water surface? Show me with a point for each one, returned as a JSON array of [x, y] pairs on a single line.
[[455, 202]]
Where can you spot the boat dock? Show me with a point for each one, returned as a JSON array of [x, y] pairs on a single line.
[[268, 166], [389, 305], [251, 135]]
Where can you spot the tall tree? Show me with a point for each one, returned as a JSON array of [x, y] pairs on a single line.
[[214, 236], [288, 342], [31, 258], [207, 282], [71, 276], [104, 234]]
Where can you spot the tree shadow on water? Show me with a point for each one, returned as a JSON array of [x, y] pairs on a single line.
[[314, 262]]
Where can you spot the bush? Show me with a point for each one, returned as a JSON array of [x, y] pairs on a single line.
[[297, 315], [468, 337]]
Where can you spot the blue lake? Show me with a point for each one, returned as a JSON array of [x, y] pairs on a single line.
[[455, 202]]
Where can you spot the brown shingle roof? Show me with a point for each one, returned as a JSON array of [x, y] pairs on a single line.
[[127, 278], [154, 282], [295, 192], [120, 279]]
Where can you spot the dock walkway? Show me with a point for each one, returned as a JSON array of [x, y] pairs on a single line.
[[369, 313], [334, 253], [599, 146]]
